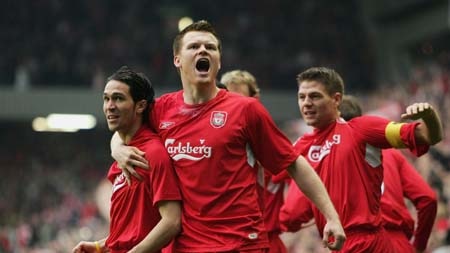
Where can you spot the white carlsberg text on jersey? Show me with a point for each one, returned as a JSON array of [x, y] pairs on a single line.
[[317, 153], [119, 182], [187, 150]]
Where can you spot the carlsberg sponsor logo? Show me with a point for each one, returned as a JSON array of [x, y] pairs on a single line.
[[188, 150], [317, 153]]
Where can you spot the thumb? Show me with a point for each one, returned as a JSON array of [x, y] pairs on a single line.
[[405, 116]]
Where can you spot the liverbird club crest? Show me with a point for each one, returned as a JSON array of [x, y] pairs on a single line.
[[218, 119]]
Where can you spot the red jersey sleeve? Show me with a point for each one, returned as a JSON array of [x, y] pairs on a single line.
[[408, 138], [271, 147], [382, 133], [295, 211], [157, 109], [164, 183], [281, 177]]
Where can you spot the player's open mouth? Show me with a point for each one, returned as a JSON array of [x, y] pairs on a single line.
[[202, 65], [308, 113], [112, 117]]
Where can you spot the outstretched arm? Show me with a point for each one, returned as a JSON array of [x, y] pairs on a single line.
[[431, 131], [309, 182], [127, 157], [166, 229]]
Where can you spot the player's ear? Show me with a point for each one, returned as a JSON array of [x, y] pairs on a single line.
[[141, 106], [176, 61], [337, 98]]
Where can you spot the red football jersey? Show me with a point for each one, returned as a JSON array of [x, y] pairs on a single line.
[[347, 157], [273, 200], [296, 210], [133, 210], [401, 180], [214, 147]]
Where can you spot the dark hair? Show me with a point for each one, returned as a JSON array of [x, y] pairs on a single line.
[[350, 108], [328, 77], [199, 26], [140, 87]]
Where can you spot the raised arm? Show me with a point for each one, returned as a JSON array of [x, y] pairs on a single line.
[[127, 157], [431, 131], [311, 185], [166, 229]]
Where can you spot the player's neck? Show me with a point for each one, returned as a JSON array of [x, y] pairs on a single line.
[[128, 135], [325, 124], [199, 93]]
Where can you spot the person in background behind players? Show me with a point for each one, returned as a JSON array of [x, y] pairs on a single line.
[[215, 138], [347, 155], [244, 83], [145, 214]]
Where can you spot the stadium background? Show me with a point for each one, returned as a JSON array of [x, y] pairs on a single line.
[[55, 56]]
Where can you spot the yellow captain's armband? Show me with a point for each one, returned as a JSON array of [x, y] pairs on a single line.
[[392, 133]]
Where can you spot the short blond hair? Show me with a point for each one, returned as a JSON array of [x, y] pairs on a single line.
[[241, 77]]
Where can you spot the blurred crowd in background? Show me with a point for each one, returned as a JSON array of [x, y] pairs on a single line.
[[47, 198], [77, 43], [48, 185]]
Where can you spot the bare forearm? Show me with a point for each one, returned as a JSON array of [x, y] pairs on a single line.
[[433, 127], [311, 185], [115, 144], [166, 229]]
